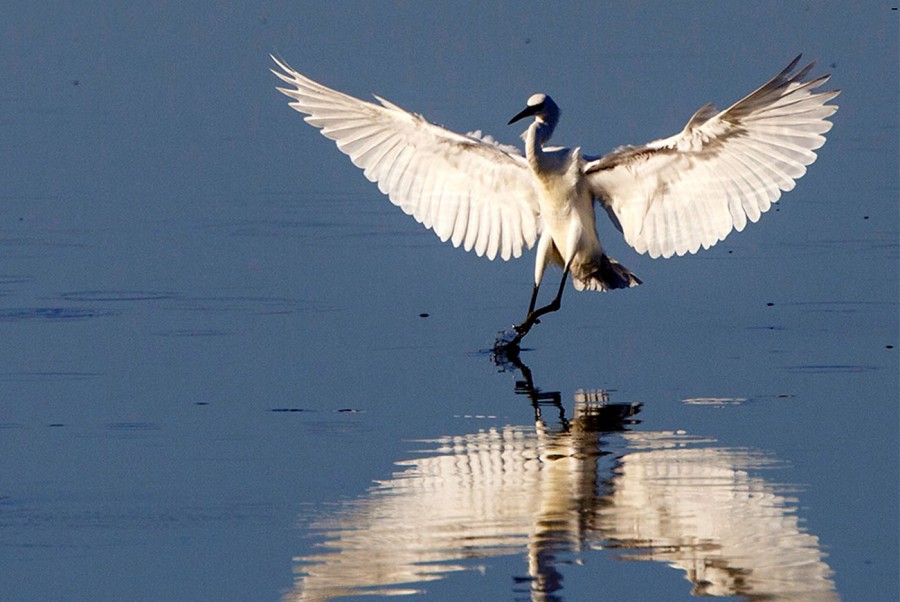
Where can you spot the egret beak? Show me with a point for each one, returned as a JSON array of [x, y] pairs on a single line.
[[526, 112]]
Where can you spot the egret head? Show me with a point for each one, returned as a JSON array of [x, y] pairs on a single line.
[[541, 107]]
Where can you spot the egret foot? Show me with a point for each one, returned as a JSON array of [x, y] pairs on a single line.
[[525, 327]]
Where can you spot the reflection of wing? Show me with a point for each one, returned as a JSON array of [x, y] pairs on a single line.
[[699, 509], [674, 195], [517, 489], [468, 189], [484, 494]]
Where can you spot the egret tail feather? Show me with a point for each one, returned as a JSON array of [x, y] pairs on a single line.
[[609, 274]]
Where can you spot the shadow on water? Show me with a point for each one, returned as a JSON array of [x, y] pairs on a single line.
[[566, 491]]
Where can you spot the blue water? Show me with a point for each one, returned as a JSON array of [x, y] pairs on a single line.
[[229, 364]]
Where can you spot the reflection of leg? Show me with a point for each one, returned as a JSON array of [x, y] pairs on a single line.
[[537, 397]]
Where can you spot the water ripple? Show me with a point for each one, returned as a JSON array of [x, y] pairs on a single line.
[[46, 376], [830, 368], [117, 295], [52, 314]]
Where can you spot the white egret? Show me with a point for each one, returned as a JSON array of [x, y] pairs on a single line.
[[668, 197]]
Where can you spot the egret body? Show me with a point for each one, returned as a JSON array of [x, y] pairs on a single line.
[[668, 197]]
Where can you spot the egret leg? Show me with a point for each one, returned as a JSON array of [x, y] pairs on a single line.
[[533, 314], [556, 303], [533, 299]]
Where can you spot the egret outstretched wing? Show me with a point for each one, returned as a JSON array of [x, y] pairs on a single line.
[[674, 195], [467, 188]]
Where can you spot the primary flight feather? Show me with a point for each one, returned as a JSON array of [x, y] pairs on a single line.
[[668, 197]]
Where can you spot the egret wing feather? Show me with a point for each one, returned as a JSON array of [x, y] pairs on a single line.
[[469, 189], [677, 194]]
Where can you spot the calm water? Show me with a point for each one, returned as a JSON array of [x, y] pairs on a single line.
[[230, 369]]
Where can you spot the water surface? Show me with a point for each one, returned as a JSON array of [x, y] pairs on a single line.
[[231, 369]]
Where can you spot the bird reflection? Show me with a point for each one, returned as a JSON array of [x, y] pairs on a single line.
[[560, 489]]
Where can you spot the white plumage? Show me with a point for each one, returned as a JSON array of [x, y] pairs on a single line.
[[668, 197], [674, 195]]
